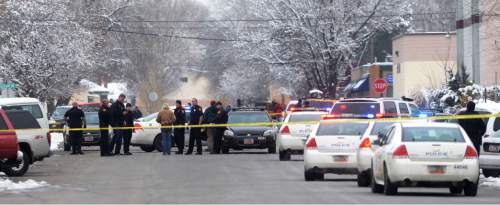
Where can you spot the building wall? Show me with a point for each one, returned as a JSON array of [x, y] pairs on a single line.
[[490, 43], [421, 60]]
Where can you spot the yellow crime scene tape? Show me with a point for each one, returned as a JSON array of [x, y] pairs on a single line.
[[258, 124]]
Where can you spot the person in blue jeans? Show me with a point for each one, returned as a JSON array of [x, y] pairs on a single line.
[[166, 118]]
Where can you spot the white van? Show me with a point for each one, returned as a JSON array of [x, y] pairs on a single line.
[[32, 105]]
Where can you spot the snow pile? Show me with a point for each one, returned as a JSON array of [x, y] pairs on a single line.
[[56, 140], [491, 182], [8, 185]]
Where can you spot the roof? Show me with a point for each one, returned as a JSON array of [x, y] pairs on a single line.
[[93, 87], [21, 100], [308, 112], [422, 34]]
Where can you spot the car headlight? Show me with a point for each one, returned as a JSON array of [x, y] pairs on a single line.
[[52, 122], [269, 133], [228, 133]]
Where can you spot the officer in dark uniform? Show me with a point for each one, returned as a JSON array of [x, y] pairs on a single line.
[[127, 133], [195, 133], [117, 122], [75, 118], [180, 120], [220, 119], [104, 122]]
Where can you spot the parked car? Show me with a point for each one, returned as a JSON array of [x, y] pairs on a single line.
[[57, 118], [34, 142], [31, 105], [253, 137], [374, 108], [10, 156], [425, 155], [149, 139], [331, 148], [489, 160], [90, 137], [293, 134]]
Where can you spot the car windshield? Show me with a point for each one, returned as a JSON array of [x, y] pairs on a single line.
[[248, 117], [305, 117], [149, 117], [59, 112], [92, 118], [380, 127], [432, 134], [496, 134], [356, 108], [323, 105], [350, 129]]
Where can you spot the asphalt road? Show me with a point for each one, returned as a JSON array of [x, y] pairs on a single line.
[[249, 177]]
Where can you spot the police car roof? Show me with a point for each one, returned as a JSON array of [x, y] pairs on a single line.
[[22, 100]]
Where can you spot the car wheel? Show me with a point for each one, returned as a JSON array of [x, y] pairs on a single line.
[[456, 190], [309, 175], [491, 173], [225, 149], [21, 169], [389, 187], [147, 148], [470, 189], [272, 149], [285, 156], [158, 144], [364, 179]]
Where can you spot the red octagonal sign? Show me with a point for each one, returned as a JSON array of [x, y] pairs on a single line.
[[380, 85]]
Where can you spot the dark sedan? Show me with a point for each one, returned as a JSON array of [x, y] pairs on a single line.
[[254, 136]]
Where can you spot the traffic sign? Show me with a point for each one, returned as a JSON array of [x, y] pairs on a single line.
[[380, 85]]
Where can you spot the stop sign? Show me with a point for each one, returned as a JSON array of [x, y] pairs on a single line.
[[380, 85]]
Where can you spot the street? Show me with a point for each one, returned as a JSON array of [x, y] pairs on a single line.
[[241, 177]]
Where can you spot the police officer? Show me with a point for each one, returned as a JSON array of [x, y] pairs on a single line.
[[117, 122], [75, 118], [195, 132], [220, 119], [180, 120], [127, 133], [104, 122]]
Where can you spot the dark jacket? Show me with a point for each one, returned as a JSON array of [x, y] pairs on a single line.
[[104, 116], [74, 117], [210, 115], [475, 128], [117, 117], [129, 119], [137, 114], [221, 117], [180, 116]]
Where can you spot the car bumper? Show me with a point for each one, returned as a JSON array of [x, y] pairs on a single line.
[[259, 142], [487, 161], [291, 143], [418, 171], [325, 161], [364, 158]]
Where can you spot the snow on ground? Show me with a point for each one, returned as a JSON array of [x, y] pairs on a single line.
[[57, 140], [489, 182], [9, 185]]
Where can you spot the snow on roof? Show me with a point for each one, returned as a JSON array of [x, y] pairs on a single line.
[[21, 100], [93, 87], [489, 106], [378, 63], [115, 89], [315, 91]]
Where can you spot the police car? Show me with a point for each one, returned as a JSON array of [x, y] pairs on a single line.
[[258, 135], [425, 154], [293, 134]]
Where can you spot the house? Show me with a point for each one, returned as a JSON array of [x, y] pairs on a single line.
[[363, 79], [422, 61]]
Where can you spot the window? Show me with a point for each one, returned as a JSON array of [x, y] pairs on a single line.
[[414, 108], [33, 109], [380, 127], [305, 117], [248, 117], [403, 108], [349, 129], [389, 132], [432, 134], [22, 119], [3, 125], [496, 124], [356, 108], [390, 108]]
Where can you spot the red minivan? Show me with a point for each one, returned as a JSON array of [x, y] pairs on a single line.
[[8, 142]]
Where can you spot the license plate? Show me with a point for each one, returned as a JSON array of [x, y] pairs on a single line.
[[494, 148], [248, 141], [88, 138], [437, 169], [340, 158]]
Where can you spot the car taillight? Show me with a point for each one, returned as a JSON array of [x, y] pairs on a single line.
[[137, 127], [379, 115], [285, 130], [329, 117], [470, 153], [366, 143], [311, 143], [49, 138], [400, 152]]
